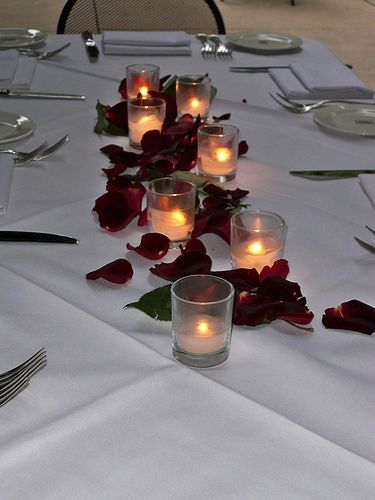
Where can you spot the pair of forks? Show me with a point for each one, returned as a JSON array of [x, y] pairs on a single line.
[[213, 46], [40, 54], [17, 379], [39, 153], [297, 107]]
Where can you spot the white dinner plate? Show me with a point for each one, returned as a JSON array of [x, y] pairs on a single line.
[[264, 43], [353, 119], [14, 127], [15, 38]]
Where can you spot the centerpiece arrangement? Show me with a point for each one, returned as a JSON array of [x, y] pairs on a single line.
[[166, 157]]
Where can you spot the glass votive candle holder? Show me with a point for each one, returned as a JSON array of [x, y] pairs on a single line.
[[218, 151], [193, 95], [202, 310], [144, 114], [141, 78], [257, 239], [171, 208]]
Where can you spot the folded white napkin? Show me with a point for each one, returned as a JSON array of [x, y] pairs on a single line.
[[367, 182], [146, 43], [6, 174], [320, 81], [16, 71]]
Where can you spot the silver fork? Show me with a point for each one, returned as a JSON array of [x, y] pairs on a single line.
[[220, 48], [14, 381], [39, 54], [208, 49], [23, 154], [297, 107], [42, 153]]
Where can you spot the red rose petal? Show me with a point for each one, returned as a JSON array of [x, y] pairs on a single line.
[[188, 263], [119, 271], [243, 148], [153, 246], [114, 211], [279, 268]]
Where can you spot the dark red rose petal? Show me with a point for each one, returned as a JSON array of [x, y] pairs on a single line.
[[225, 116], [142, 219], [119, 271], [118, 115], [118, 169], [279, 268], [111, 149], [153, 246], [133, 191], [217, 223], [352, 324], [153, 142], [194, 245], [123, 89], [243, 148], [188, 263], [300, 318], [242, 279], [114, 211], [352, 315]]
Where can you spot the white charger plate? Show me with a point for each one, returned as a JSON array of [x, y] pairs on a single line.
[[14, 127], [347, 118], [264, 43], [15, 38]]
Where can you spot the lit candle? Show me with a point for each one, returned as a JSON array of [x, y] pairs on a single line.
[[202, 335], [219, 161], [141, 78], [257, 253], [175, 224], [138, 127], [193, 95]]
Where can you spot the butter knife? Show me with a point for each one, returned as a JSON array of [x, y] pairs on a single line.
[[36, 237], [330, 174], [40, 95], [91, 48], [254, 69]]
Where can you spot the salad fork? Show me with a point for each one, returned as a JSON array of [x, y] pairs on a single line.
[[220, 48], [207, 47], [42, 153], [23, 154], [39, 54], [297, 107]]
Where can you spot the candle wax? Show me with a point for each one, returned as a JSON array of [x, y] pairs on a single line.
[[138, 128], [202, 335], [176, 224], [256, 253], [219, 161]]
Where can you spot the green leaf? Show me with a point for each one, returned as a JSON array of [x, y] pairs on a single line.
[[365, 245], [198, 180], [103, 125], [156, 304]]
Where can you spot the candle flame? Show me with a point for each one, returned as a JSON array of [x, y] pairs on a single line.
[[144, 91], [202, 327], [222, 154], [195, 103], [256, 248], [179, 217]]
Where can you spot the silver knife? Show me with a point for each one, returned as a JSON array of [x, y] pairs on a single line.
[[40, 95], [254, 69], [91, 48], [330, 174], [36, 237]]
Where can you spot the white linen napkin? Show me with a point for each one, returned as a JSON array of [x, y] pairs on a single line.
[[320, 81], [146, 43], [367, 183], [6, 174], [17, 71]]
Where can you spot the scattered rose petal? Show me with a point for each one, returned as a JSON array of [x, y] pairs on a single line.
[[119, 271], [188, 263], [242, 279], [353, 315], [114, 211], [142, 219], [193, 245], [153, 246], [279, 268], [243, 148]]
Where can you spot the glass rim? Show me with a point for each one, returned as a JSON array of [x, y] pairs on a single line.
[[153, 102], [150, 67], [231, 129], [183, 181], [204, 79], [279, 225], [228, 297]]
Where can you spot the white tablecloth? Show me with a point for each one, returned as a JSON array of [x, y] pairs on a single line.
[[113, 415]]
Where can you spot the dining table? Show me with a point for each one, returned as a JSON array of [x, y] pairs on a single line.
[[289, 415]]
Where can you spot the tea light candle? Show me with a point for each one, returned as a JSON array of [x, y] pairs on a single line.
[[193, 95], [176, 224], [218, 151], [203, 335], [257, 253], [141, 78], [144, 114]]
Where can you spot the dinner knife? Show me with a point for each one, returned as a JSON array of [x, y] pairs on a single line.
[[330, 174], [91, 48], [254, 69], [36, 237], [40, 95]]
